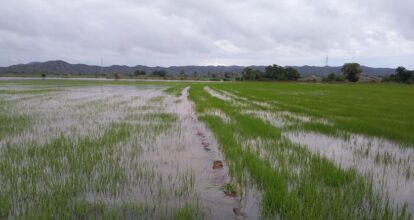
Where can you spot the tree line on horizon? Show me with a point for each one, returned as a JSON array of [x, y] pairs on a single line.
[[351, 72], [272, 72], [402, 75]]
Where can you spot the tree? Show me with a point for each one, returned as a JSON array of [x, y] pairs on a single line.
[[117, 76], [228, 75], [403, 75], [257, 74], [279, 73], [276, 72], [340, 78], [248, 74], [351, 71], [139, 73], [292, 73], [43, 75], [160, 73], [330, 78], [183, 75]]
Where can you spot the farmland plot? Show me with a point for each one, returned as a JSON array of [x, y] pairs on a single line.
[[124, 149], [109, 152], [304, 164]]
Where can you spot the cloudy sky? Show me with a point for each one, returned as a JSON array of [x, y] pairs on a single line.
[[377, 33]]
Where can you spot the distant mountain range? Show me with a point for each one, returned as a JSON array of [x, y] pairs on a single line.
[[61, 67]]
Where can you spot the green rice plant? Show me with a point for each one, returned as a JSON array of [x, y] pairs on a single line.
[[188, 212], [357, 108], [319, 190], [11, 123], [230, 189], [92, 175]]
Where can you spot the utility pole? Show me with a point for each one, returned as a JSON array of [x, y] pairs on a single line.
[[101, 66]]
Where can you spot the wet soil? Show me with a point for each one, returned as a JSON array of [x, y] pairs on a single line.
[[206, 160], [389, 165]]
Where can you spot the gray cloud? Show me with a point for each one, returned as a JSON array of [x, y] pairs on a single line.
[[180, 32]]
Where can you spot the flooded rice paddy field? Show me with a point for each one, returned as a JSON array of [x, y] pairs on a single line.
[[75, 149], [109, 152], [317, 151]]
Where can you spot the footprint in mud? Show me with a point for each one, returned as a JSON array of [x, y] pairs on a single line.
[[204, 142], [239, 213], [199, 133], [217, 164], [205, 145]]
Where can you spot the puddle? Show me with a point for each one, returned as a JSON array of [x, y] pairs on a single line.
[[303, 118], [267, 116], [238, 101], [76, 111], [390, 166], [217, 113], [217, 94], [281, 119], [262, 104], [229, 94]]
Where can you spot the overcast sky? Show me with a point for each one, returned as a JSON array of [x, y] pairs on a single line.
[[376, 33]]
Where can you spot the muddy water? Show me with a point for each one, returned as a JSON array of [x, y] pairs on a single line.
[[201, 150], [75, 112], [165, 169], [390, 166], [217, 94]]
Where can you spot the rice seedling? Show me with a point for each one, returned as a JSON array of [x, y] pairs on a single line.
[[296, 182], [106, 151], [175, 150], [230, 189]]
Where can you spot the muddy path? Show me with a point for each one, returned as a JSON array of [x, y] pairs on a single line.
[[204, 157]]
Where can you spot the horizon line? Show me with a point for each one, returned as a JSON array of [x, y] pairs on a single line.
[[157, 66]]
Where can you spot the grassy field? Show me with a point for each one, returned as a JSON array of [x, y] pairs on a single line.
[[125, 149]]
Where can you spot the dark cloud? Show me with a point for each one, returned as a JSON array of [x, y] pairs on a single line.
[[180, 32]]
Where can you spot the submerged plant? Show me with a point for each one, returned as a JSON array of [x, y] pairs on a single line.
[[230, 189]]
